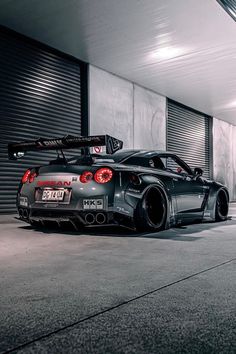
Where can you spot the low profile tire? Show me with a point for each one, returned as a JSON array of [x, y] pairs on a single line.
[[222, 206], [151, 211]]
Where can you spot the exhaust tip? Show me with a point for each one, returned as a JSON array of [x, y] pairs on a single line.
[[89, 218], [100, 218]]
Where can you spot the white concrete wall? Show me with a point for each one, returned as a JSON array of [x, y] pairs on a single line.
[[224, 154], [149, 119], [138, 117], [129, 112], [111, 106], [234, 162]]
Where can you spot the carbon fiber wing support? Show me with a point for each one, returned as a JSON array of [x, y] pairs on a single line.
[[17, 150]]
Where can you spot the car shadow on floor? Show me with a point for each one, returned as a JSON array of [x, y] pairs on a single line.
[[191, 232]]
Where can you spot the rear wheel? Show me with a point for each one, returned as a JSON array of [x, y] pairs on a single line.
[[151, 211], [222, 206]]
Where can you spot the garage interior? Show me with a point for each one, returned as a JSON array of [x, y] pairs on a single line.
[[159, 75]]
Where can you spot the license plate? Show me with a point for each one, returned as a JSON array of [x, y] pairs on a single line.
[[53, 195], [92, 204]]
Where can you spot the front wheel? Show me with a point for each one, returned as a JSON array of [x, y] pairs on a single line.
[[151, 211], [222, 206]]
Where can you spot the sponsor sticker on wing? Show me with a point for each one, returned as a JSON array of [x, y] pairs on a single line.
[[98, 150]]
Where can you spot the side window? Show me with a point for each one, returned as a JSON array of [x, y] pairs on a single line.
[[164, 161], [156, 162], [153, 162], [172, 165]]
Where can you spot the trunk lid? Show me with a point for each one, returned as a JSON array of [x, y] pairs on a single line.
[[60, 186]]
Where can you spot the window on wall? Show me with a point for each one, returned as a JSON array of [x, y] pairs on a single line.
[[189, 135], [43, 94]]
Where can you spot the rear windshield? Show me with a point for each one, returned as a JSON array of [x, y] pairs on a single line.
[[115, 158]]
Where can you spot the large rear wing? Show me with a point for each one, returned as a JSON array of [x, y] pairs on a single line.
[[17, 150]]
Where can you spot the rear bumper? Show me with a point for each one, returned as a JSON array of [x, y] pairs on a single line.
[[75, 217]]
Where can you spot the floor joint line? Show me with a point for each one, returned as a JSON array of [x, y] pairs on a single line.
[[47, 335]]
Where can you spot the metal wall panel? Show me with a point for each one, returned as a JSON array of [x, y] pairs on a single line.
[[229, 6], [41, 96], [189, 135]]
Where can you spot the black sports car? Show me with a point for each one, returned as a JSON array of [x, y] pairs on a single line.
[[145, 190]]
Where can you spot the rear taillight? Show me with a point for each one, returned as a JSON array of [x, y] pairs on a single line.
[[103, 175], [86, 177], [32, 177], [26, 176]]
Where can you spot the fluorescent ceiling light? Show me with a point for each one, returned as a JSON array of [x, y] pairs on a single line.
[[229, 106], [229, 6], [232, 104], [166, 53]]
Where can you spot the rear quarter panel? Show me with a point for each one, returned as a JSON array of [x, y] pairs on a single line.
[[128, 195]]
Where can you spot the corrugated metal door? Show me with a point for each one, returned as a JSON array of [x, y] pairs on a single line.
[[41, 95], [189, 135]]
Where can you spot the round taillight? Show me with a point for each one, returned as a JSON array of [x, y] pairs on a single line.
[[32, 177], [86, 177], [26, 176], [103, 175]]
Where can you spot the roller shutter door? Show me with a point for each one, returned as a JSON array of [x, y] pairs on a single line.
[[43, 94], [189, 135]]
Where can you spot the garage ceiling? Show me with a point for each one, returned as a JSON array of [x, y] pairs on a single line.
[[183, 49]]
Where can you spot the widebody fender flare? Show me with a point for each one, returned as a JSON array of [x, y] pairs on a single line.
[[134, 194], [210, 208]]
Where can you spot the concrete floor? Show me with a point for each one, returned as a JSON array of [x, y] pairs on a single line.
[[112, 291]]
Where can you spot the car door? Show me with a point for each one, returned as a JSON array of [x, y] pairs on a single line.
[[188, 189], [190, 195]]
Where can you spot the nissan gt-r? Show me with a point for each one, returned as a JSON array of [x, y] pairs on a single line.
[[139, 189]]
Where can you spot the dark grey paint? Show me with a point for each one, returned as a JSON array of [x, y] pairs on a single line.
[[188, 198]]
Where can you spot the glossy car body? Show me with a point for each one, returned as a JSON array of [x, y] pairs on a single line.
[[148, 190]]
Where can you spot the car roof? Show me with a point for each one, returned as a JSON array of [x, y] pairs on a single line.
[[141, 153], [125, 154]]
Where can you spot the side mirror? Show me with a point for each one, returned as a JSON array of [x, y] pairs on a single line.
[[198, 172]]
